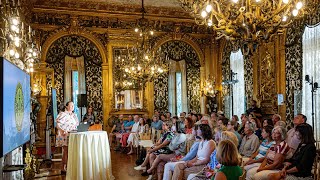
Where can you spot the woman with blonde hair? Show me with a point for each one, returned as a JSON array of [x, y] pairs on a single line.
[[208, 171], [228, 157]]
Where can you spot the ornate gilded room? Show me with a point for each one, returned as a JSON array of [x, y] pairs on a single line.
[[170, 89]]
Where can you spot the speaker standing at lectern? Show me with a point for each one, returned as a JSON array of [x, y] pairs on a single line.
[[89, 116]]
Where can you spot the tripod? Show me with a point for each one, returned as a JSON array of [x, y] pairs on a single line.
[[314, 87]]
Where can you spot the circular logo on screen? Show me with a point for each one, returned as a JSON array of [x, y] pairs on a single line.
[[19, 107]]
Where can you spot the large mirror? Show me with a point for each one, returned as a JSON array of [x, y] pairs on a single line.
[[128, 93]]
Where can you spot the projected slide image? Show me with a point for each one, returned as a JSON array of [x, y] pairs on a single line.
[[16, 107]]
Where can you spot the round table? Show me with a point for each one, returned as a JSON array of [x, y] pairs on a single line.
[[89, 156]]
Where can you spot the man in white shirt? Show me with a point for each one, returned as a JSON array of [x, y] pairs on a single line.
[[134, 131]]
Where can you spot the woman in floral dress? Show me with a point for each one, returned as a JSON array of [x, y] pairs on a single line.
[[66, 121]]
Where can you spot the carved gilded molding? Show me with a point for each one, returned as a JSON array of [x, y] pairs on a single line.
[[106, 7], [118, 22], [158, 41], [74, 29]]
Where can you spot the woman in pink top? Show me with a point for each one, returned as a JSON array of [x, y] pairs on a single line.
[[66, 121]]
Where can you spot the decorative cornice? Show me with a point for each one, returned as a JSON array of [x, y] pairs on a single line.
[[49, 20], [103, 7]]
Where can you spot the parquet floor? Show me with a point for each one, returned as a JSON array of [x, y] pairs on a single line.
[[122, 169]]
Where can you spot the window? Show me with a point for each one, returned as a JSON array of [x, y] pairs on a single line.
[[74, 82], [177, 87], [311, 66], [75, 91], [179, 92], [238, 89]]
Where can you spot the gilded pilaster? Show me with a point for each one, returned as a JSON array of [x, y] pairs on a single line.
[[202, 80], [105, 94]]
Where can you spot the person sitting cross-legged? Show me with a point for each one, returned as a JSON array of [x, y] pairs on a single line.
[[161, 147], [206, 147]]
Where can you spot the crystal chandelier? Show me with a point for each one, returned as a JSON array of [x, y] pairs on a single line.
[[247, 20], [142, 63], [16, 38], [122, 80], [209, 87]]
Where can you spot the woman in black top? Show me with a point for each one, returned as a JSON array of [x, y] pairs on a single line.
[[300, 165], [89, 117]]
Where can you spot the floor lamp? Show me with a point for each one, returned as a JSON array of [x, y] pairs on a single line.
[[230, 82], [314, 87]]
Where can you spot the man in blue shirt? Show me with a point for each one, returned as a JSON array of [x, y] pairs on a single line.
[[128, 125], [157, 124]]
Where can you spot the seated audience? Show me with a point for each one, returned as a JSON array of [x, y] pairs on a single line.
[[156, 124], [244, 120], [231, 128], [235, 119], [267, 122], [227, 155], [276, 118], [213, 120], [211, 167], [292, 141], [300, 165], [250, 142], [281, 123], [178, 148], [169, 167], [147, 120], [116, 131], [222, 126], [128, 137], [174, 124], [163, 118], [257, 130], [259, 155], [206, 147], [188, 123], [138, 127], [161, 147], [127, 125], [274, 158]]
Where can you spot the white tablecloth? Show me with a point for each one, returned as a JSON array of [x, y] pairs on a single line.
[[89, 156]]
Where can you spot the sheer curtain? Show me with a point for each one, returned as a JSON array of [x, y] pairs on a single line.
[[171, 87], [74, 64], [183, 69], [237, 66], [311, 67]]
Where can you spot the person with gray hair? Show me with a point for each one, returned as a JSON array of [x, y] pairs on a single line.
[[250, 142], [281, 123], [274, 157], [276, 118]]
